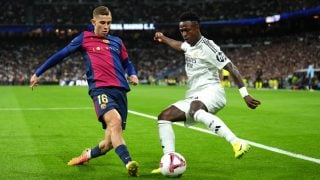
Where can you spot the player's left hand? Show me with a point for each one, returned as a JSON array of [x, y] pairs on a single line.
[[34, 81], [133, 79], [251, 103]]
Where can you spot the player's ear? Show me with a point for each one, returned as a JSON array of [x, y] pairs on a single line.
[[93, 22], [197, 25]]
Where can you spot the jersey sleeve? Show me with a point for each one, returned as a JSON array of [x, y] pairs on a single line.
[[219, 59], [130, 70], [126, 62], [185, 46], [124, 53], [60, 55], [75, 44]]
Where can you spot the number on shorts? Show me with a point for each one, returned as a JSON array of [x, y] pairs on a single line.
[[102, 99]]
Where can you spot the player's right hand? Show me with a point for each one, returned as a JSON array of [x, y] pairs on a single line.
[[251, 103], [158, 36], [34, 81]]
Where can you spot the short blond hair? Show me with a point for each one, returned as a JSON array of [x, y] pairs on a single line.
[[101, 10]]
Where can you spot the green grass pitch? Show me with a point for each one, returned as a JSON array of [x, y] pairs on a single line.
[[38, 136]]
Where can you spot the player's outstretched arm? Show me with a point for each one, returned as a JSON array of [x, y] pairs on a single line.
[[171, 42], [34, 81], [251, 102]]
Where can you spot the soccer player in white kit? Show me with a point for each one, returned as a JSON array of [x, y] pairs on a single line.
[[205, 96]]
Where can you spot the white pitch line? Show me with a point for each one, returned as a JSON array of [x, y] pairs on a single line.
[[261, 146], [42, 109]]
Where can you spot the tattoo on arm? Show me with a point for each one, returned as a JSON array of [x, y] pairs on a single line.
[[234, 72]]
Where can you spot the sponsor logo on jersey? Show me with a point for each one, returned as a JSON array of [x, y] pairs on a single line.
[[190, 61], [221, 57]]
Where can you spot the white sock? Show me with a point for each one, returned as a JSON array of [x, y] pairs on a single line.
[[167, 137], [215, 124], [89, 153]]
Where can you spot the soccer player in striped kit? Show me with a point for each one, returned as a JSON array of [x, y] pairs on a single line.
[[206, 96], [106, 61]]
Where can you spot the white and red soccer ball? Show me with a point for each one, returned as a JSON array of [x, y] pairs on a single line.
[[173, 164]]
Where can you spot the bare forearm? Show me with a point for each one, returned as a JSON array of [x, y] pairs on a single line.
[[166, 40], [251, 102], [173, 43], [234, 72]]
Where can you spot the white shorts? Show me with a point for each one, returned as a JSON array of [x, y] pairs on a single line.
[[213, 96]]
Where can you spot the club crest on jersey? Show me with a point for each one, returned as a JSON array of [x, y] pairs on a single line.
[[196, 53], [103, 106], [106, 41]]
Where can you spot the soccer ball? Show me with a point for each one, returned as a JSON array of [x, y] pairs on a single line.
[[173, 164]]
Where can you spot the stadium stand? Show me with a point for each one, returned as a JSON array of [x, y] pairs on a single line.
[[280, 48], [75, 12]]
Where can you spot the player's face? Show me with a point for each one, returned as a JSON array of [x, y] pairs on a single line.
[[102, 24], [190, 31]]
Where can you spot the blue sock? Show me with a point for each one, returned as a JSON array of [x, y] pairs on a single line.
[[96, 152], [123, 153]]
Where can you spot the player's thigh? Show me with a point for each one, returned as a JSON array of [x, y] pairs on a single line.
[[112, 118], [184, 106], [172, 113], [111, 104], [102, 104], [213, 97]]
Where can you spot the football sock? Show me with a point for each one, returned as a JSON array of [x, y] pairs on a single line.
[[167, 137], [123, 153], [96, 152], [215, 124]]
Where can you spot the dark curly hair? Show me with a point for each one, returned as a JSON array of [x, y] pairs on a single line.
[[189, 16]]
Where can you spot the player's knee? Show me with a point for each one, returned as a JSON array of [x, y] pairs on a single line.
[[196, 113], [192, 112], [196, 106], [164, 115]]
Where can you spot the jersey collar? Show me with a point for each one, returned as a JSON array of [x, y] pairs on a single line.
[[200, 40]]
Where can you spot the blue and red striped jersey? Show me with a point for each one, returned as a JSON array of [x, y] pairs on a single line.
[[106, 60]]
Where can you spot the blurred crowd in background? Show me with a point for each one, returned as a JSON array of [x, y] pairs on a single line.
[[268, 56], [35, 12]]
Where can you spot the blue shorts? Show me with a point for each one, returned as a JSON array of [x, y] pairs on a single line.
[[108, 98]]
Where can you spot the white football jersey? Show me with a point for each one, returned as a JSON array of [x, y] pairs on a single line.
[[203, 62]]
